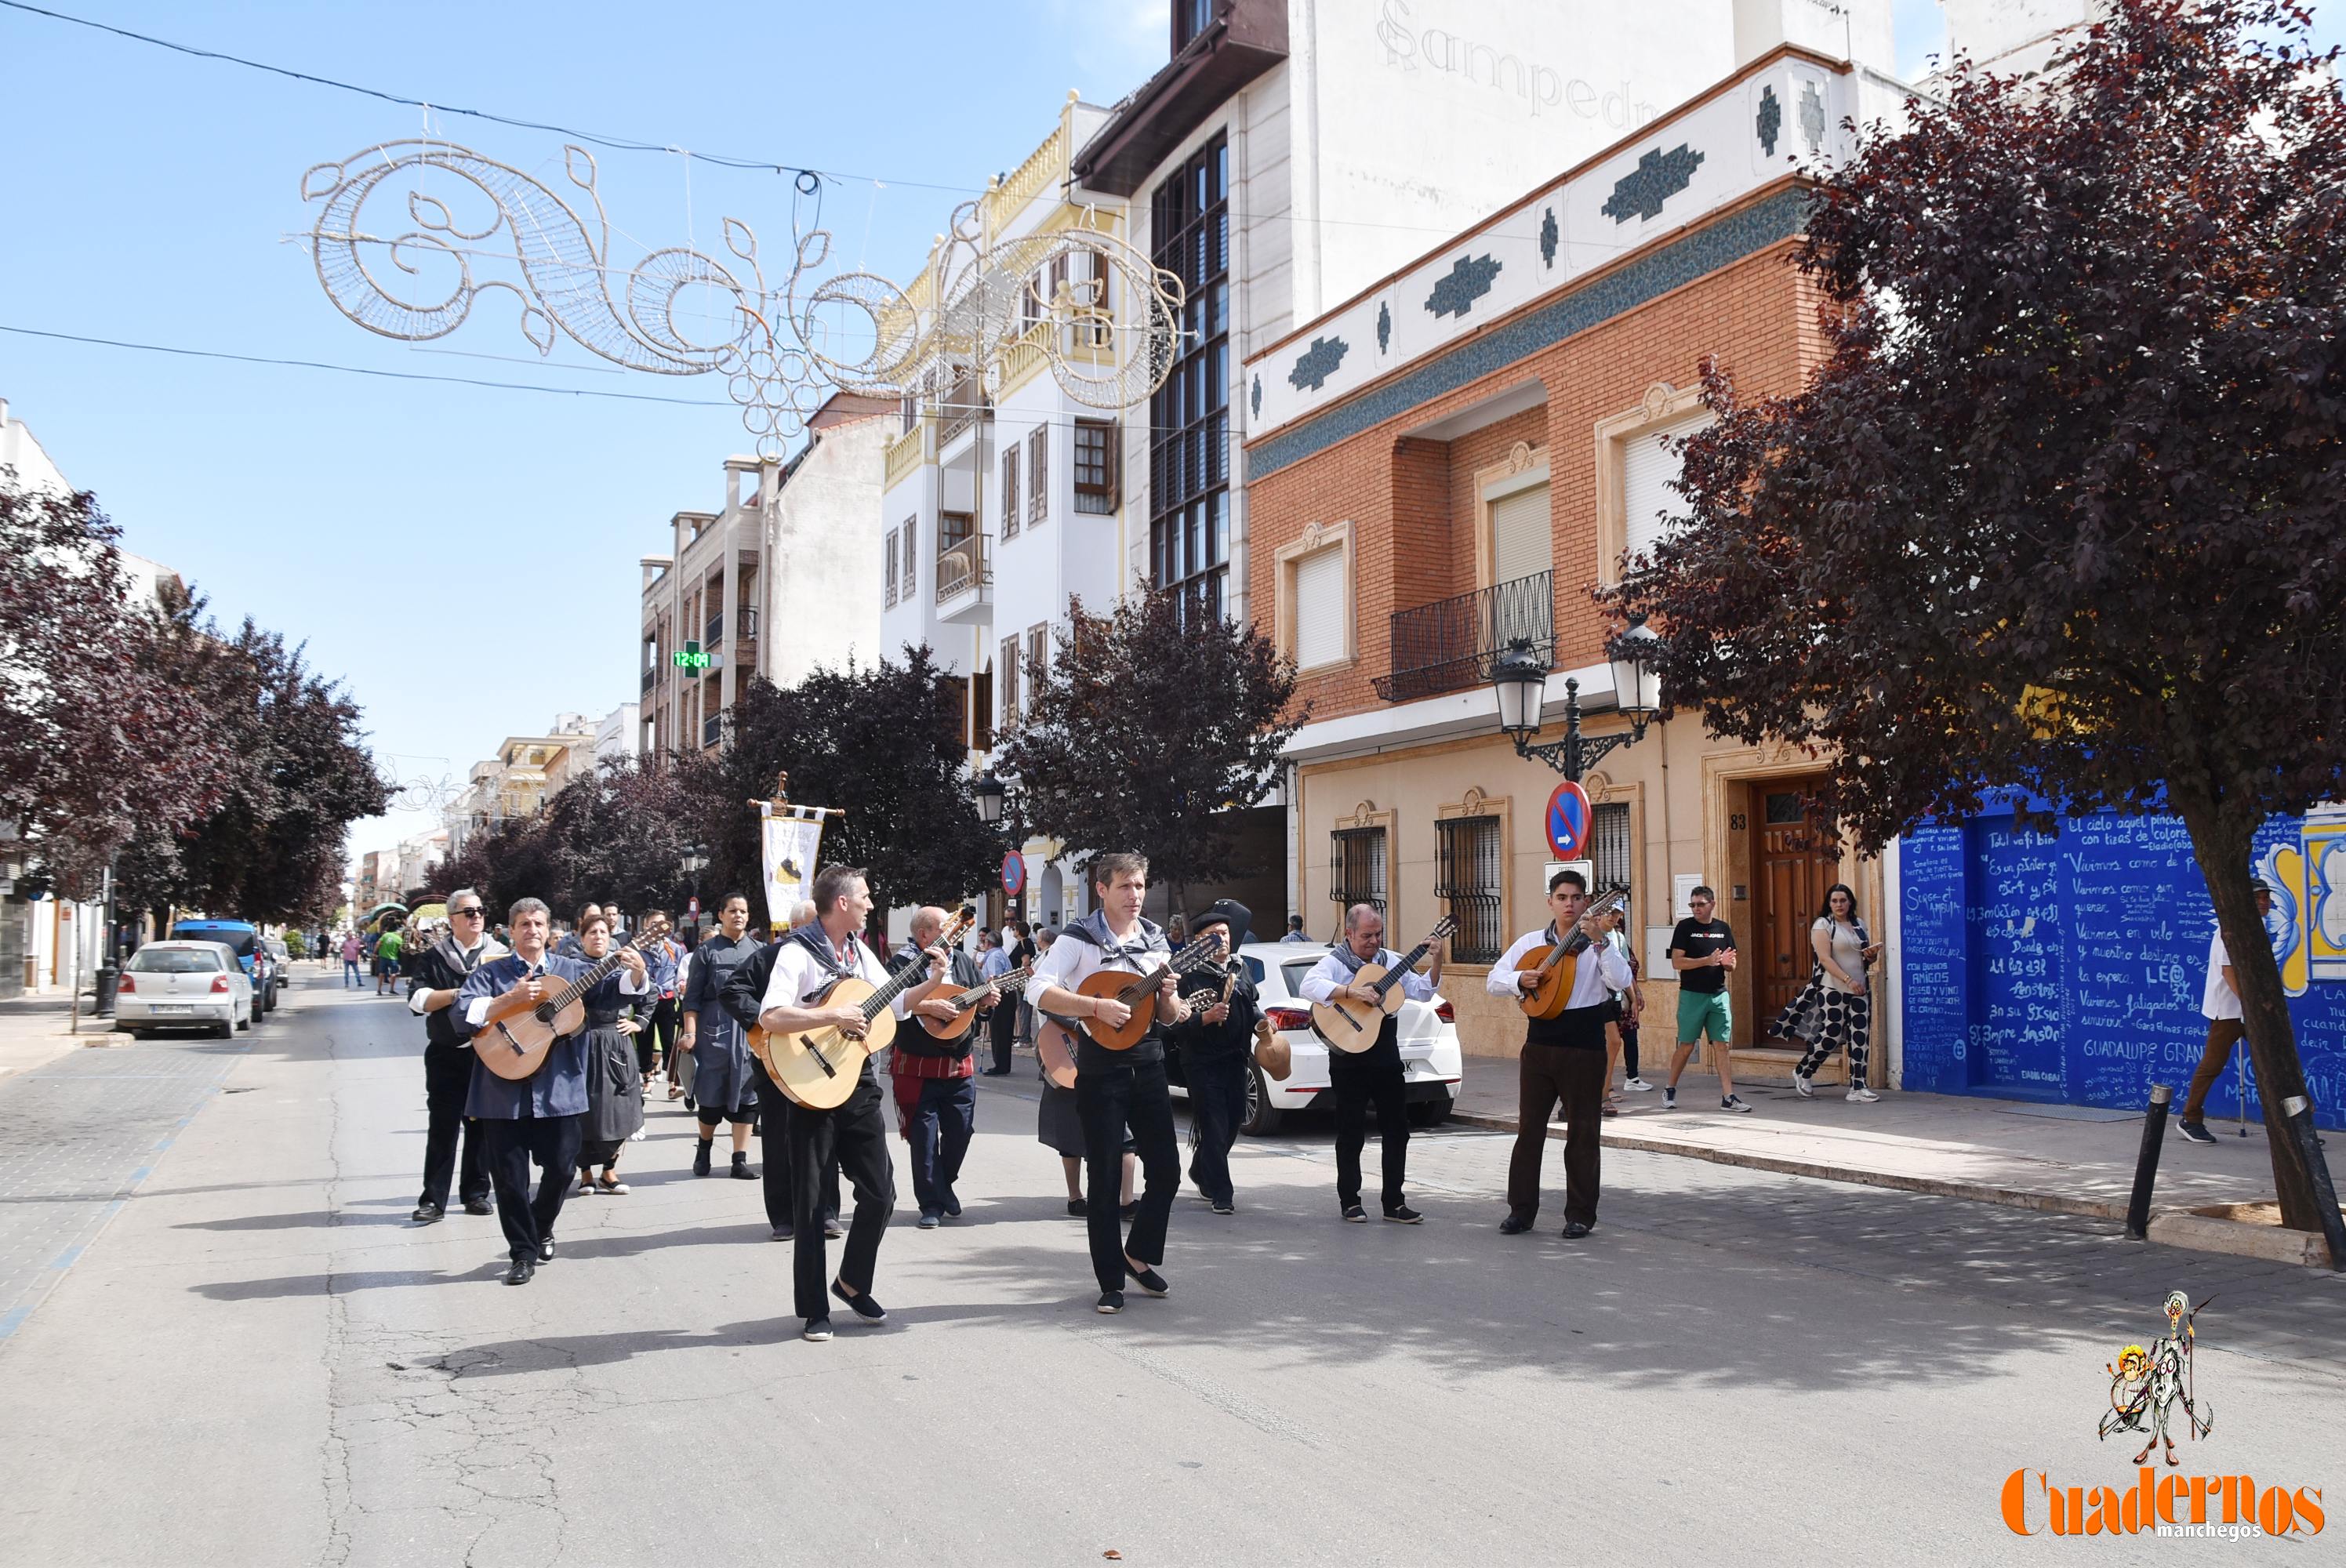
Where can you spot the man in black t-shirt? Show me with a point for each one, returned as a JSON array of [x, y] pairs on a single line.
[[1702, 951]]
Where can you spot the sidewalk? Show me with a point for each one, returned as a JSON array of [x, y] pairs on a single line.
[[2060, 1159], [35, 1030]]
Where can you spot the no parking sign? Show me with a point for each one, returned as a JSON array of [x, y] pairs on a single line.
[[1568, 816]]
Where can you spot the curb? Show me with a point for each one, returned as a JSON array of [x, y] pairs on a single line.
[[2171, 1227]]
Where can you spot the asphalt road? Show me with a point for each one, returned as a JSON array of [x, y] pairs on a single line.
[[252, 1359]]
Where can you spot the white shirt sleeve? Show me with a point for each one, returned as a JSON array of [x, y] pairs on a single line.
[[1061, 967], [416, 1001], [631, 986], [793, 968], [1327, 978], [1501, 980], [1614, 964], [903, 1006], [478, 1010]]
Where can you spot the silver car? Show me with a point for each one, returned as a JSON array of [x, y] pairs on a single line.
[[183, 984]]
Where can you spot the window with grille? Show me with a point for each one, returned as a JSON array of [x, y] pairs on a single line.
[[892, 567], [1469, 882], [1006, 670], [1095, 466], [1356, 868], [1609, 858], [1039, 473], [912, 556], [1189, 443], [1010, 492]]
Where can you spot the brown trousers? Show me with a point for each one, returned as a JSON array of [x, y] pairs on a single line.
[[1574, 1074], [2223, 1033]]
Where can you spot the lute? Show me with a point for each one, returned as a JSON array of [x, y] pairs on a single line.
[[1546, 997], [819, 1068], [964, 1002], [1352, 1025], [1138, 992], [517, 1032]]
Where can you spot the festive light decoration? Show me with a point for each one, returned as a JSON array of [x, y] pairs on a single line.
[[1098, 312]]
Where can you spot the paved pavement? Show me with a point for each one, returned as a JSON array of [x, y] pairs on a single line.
[[258, 1362], [35, 1030]]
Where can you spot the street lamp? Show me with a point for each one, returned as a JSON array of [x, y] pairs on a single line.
[[1519, 678], [991, 793]]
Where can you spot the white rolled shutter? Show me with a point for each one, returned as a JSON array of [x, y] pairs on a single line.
[[1319, 608], [1521, 535], [1650, 465]]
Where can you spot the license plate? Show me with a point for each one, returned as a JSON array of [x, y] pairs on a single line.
[[163, 1007]]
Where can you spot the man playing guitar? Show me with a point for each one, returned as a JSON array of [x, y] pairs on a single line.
[[937, 1098], [1216, 1045], [1117, 1089], [1375, 1073]]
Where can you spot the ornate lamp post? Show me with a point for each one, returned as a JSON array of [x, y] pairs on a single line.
[[992, 796], [1519, 677]]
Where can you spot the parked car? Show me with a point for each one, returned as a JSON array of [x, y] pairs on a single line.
[[1432, 1063], [178, 984], [242, 938], [283, 954]]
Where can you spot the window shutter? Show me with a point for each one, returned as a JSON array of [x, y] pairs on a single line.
[[1010, 491], [892, 567], [1319, 608], [1039, 473], [911, 555], [1521, 534], [1009, 679], [1648, 465]]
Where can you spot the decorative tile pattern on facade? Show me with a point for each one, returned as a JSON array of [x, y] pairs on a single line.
[[1385, 326], [1548, 237], [1318, 362], [1770, 120], [1658, 176], [1466, 282]]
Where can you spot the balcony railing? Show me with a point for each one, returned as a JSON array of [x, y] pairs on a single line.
[[714, 633], [1448, 645], [964, 569]]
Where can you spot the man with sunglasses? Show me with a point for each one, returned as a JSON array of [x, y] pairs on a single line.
[[439, 972]]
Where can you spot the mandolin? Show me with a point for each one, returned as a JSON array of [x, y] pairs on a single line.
[[819, 1068], [1546, 998], [1138, 992], [513, 1040], [1353, 1025], [966, 1003]]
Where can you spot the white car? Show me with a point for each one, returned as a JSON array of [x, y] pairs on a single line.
[[1432, 1063], [183, 986]]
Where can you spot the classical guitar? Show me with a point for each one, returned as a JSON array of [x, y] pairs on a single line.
[[1054, 1046], [819, 1068], [517, 1032], [1350, 1024], [1138, 992], [964, 1002], [1546, 998]]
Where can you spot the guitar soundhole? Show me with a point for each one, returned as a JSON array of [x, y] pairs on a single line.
[[542, 1013]]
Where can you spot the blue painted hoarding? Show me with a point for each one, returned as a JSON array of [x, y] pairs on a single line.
[[2069, 968]]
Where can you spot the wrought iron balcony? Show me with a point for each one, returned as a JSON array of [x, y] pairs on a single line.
[[1448, 645]]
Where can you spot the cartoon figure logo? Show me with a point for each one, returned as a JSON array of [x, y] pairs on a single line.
[[2147, 1385]]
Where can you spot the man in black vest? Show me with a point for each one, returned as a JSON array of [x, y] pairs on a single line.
[[1374, 1074], [439, 972], [937, 1098], [1216, 1046], [743, 993]]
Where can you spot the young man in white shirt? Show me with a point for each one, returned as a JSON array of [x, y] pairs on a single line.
[[1117, 1089], [1374, 1074], [2219, 1003], [807, 963], [1563, 1057]]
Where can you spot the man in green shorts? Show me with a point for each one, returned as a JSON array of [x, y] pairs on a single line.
[[1702, 951]]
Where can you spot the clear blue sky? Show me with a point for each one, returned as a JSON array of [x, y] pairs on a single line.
[[409, 531]]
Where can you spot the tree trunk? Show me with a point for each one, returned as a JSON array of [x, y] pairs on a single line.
[[2222, 843]]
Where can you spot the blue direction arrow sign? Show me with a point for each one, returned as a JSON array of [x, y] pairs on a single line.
[[1568, 816]]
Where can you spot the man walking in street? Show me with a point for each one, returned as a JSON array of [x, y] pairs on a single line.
[[1702, 951], [439, 973], [936, 1103], [1374, 1076], [1216, 1043], [2219, 1003], [387, 949]]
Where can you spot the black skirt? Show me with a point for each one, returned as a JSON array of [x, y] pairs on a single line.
[[1057, 1123]]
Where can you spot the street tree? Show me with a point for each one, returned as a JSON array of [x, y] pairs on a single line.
[[621, 834], [1148, 728], [2060, 514]]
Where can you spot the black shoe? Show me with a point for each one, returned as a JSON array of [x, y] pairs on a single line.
[[783, 1233], [741, 1171], [952, 1204], [1110, 1301], [700, 1160], [1126, 1210], [1577, 1228], [1149, 1279], [1404, 1215], [1515, 1224], [817, 1330], [479, 1205], [832, 1229], [432, 1214], [1077, 1207], [521, 1272], [2196, 1131], [1224, 1205], [545, 1249], [1355, 1215], [863, 1307], [689, 1106]]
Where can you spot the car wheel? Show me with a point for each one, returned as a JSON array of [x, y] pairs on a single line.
[[1430, 1113], [243, 1022], [223, 1031], [1262, 1117]]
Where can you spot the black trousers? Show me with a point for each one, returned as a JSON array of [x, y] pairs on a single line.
[[1109, 1099], [774, 1148], [1374, 1074], [447, 1080], [552, 1142], [657, 1035], [1002, 1025], [1575, 1076], [1217, 1106], [853, 1140]]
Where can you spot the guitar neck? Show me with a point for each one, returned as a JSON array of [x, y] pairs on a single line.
[[594, 976], [914, 967], [1009, 984]]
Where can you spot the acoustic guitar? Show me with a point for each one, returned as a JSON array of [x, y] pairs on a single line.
[[1055, 1047], [1138, 992], [819, 1068], [1546, 998], [1352, 1025], [517, 1032], [966, 1003]]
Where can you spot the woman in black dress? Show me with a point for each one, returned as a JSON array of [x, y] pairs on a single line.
[[614, 1085]]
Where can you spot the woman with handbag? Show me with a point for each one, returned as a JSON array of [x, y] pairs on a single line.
[[1836, 1007]]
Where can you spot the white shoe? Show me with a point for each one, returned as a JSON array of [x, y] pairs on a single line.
[[1637, 1086], [1861, 1094], [1802, 1087]]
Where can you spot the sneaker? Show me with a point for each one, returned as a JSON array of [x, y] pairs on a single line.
[[1862, 1096], [1225, 1206], [2196, 1132], [1110, 1301], [1355, 1215], [953, 1202], [832, 1229], [1803, 1087], [817, 1330], [1404, 1215], [929, 1221], [783, 1233], [1732, 1103], [1637, 1086], [1669, 1099]]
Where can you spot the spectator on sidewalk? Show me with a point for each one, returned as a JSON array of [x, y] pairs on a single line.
[[1002, 1018], [387, 949], [1836, 1009], [1702, 951], [1630, 1003], [1295, 929], [353, 952], [2219, 1003]]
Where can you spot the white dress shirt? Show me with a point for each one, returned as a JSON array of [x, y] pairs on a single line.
[[416, 999], [799, 977], [1072, 961], [1330, 976], [1601, 970]]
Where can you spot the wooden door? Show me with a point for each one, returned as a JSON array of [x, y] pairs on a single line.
[[1795, 860]]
